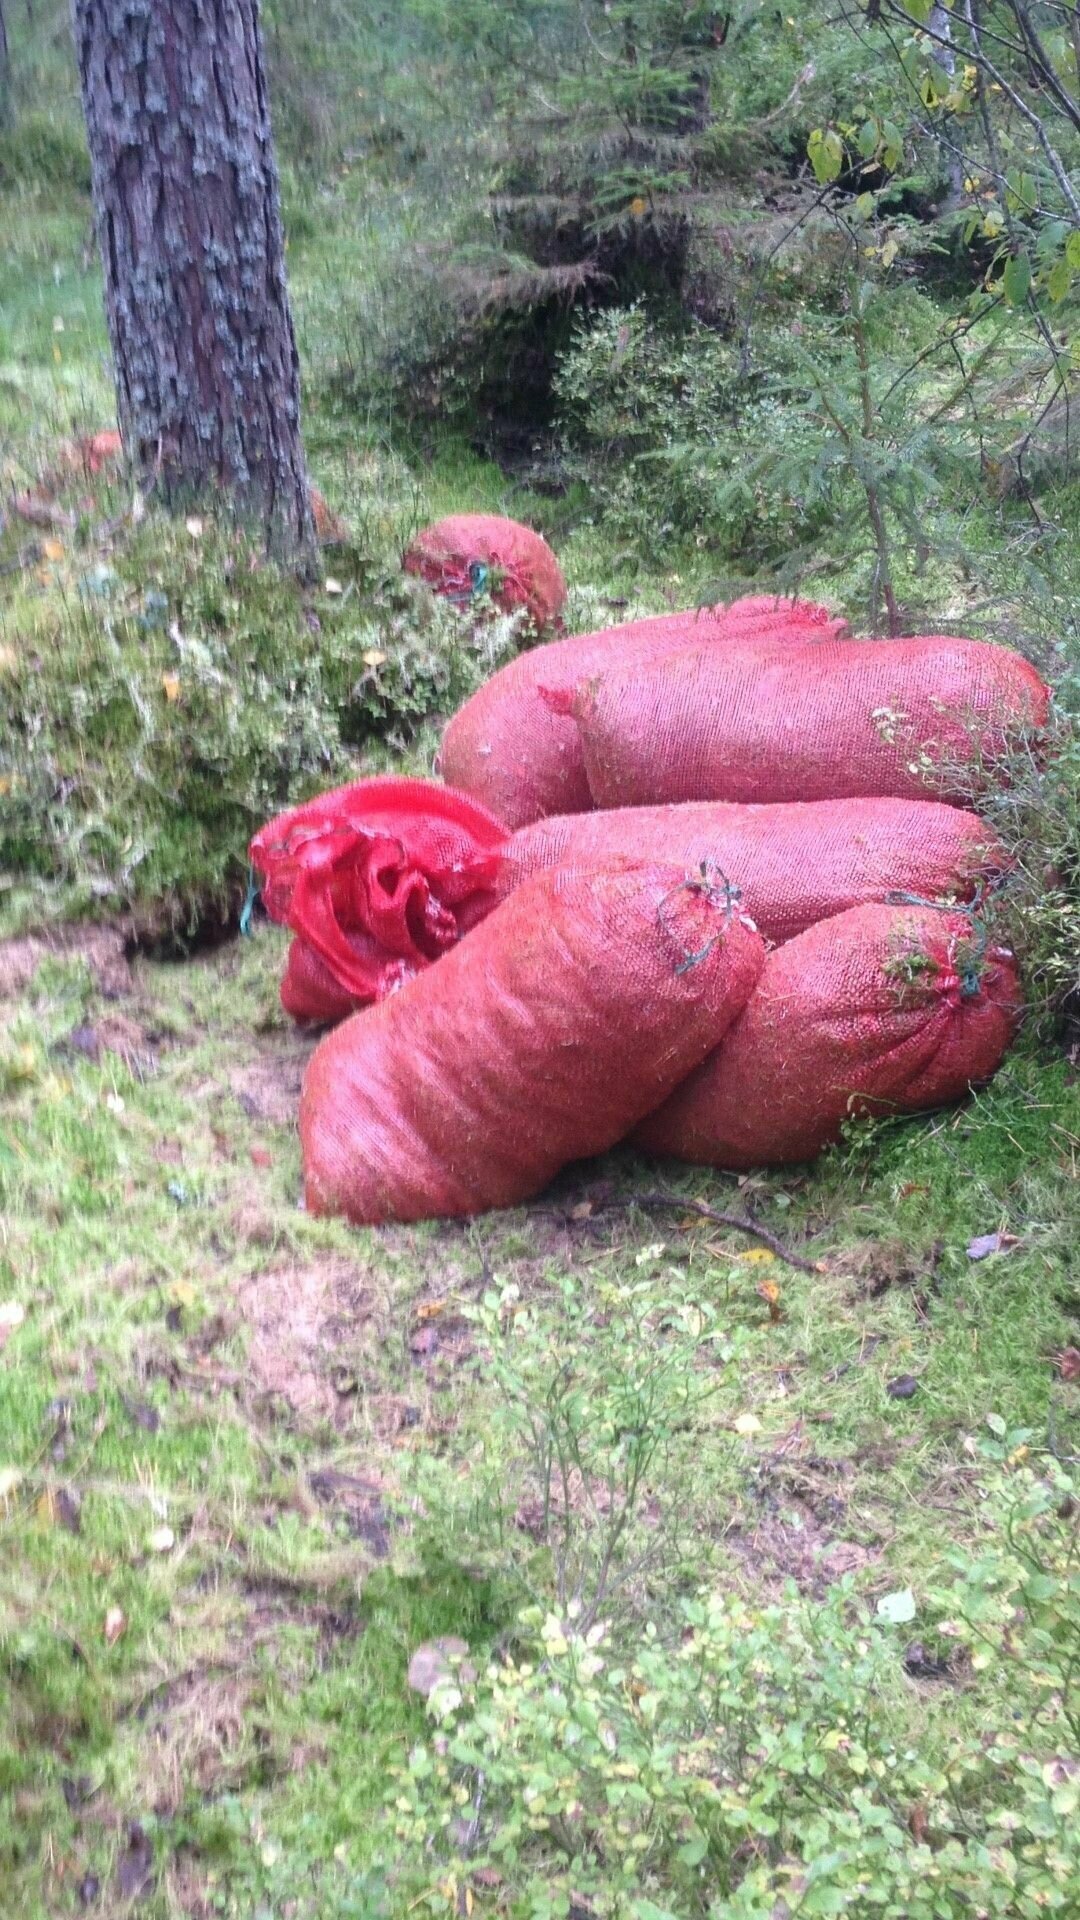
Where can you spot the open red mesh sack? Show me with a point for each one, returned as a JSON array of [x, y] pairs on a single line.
[[471, 553], [378, 879], [753, 723], [883, 1009], [572, 1011], [510, 750], [794, 864]]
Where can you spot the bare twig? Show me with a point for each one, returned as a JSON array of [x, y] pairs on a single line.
[[677, 1203]]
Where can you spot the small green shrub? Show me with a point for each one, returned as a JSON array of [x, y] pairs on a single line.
[[761, 1760], [674, 438]]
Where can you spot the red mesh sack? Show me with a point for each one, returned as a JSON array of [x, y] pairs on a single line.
[[507, 746], [883, 1009], [575, 1008], [794, 864], [844, 718], [378, 879], [471, 553]]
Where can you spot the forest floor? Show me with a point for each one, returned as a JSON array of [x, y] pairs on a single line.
[[238, 1445]]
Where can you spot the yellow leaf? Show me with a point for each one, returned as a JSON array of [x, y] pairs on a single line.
[[181, 1293], [372, 658], [756, 1256], [194, 527], [334, 587], [638, 206], [115, 1622], [171, 684], [56, 354], [10, 1481], [162, 1540], [53, 549], [748, 1423], [45, 1510]]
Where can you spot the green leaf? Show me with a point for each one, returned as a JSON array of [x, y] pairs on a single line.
[[1017, 279], [1072, 250], [892, 144], [897, 1608], [867, 139], [694, 1851], [864, 206], [826, 154], [918, 10]]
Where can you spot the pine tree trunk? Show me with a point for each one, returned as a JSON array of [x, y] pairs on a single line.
[[189, 227]]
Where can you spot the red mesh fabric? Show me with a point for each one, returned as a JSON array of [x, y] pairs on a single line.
[[378, 879], [508, 748], [575, 1008], [753, 723], [309, 992], [794, 864], [473, 552], [869, 1012]]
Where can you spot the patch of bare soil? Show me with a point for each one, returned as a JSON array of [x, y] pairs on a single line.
[[793, 1529], [104, 949], [294, 1316], [268, 1088], [114, 1034], [200, 1735]]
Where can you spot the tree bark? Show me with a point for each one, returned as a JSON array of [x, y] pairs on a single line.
[[189, 227], [3, 60]]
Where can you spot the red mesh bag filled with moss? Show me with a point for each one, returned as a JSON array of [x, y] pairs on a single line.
[[514, 753], [574, 1009], [378, 879], [883, 1009], [470, 554], [795, 864], [834, 721]]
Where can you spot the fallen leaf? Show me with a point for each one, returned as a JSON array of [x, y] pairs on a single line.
[[986, 1243], [755, 1257], [333, 587], [904, 1387], [897, 1608], [1068, 1363], [918, 1824], [162, 1540], [372, 658], [922, 1663], [747, 1423], [181, 1292], [52, 549], [135, 1869], [768, 1291], [115, 1623], [429, 1310], [261, 1157], [171, 685], [194, 527]]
